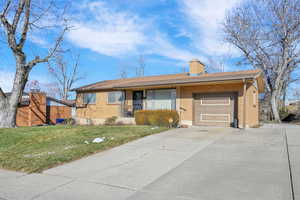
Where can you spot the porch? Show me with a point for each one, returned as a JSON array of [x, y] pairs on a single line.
[[150, 99]]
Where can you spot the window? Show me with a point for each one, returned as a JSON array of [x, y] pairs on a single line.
[[89, 98], [161, 99], [115, 97]]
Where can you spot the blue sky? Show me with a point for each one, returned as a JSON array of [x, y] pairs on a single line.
[[111, 34]]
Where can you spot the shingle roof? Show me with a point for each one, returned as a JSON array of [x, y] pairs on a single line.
[[171, 79]]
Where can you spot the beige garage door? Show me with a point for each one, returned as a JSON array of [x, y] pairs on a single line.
[[214, 109]]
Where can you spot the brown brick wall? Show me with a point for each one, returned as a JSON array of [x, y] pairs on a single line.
[[55, 112], [22, 116], [98, 110]]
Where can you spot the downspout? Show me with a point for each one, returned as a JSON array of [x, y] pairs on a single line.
[[244, 106]]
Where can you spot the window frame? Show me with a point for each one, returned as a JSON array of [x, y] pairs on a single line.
[[89, 103], [171, 91], [116, 102]]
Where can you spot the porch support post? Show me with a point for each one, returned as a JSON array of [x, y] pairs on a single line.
[[244, 102]]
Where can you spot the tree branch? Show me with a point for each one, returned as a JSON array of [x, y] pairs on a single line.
[[6, 7], [2, 94], [18, 14], [52, 52], [25, 25]]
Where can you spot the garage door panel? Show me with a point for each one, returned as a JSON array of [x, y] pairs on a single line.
[[215, 101], [215, 117], [221, 124], [214, 109]]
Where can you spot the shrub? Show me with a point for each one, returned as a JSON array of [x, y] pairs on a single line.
[[69, 121], [283, 113], [168, 118], [110, 121]]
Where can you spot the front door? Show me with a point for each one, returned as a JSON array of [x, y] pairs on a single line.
[[137, 100]]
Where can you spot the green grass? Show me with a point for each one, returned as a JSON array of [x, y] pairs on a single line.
[[34, 149]]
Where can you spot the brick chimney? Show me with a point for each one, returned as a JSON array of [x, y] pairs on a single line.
[[196, 68]]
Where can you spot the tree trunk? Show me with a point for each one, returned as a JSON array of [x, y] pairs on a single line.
[[9, 105], [274, 105], [7, 118]]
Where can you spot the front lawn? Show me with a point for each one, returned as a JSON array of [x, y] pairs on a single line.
[[34, 149]]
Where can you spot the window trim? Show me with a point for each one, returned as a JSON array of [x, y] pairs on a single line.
[[89, 103], [117, 102], [160, 89]]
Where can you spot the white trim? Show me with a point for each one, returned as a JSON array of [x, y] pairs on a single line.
[[227, 115], [228, 104]]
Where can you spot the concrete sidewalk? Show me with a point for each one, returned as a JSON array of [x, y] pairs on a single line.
[[195, 163]]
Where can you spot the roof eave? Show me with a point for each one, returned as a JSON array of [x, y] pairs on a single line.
[[167, 84]]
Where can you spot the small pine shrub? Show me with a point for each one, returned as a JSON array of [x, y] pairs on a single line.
[[167, 118]]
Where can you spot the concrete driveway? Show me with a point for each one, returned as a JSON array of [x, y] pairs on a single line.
[[196, 163]]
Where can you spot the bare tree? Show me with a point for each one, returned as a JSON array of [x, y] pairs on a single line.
[[50, 89], [268, 34], [17, 19], [216, 65], [65, 74]]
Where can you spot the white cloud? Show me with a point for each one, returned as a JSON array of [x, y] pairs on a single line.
[[6, 80], [206, 17], [117, 33], [38, 40], [106, 40], [106, 31], [164, 48]]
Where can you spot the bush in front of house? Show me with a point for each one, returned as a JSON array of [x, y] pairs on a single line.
[[110, 121], [69, 121], [167, 118]]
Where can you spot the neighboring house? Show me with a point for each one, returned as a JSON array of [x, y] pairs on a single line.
[[35, 108], [294, 107], [200, 98]]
